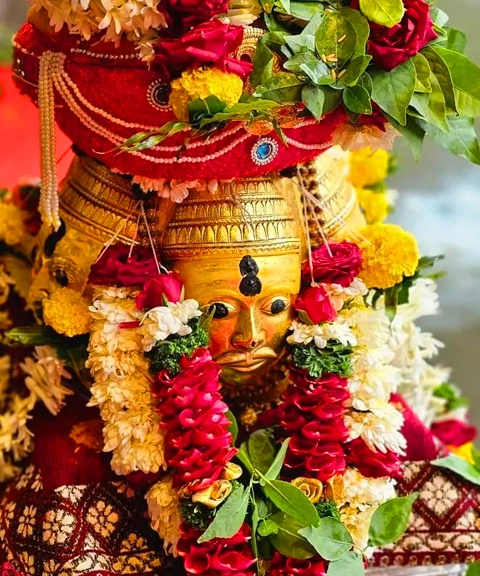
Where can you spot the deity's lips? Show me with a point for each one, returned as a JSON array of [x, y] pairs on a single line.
[[248, 361]]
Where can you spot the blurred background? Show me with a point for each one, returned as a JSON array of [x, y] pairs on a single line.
[[439, 201]]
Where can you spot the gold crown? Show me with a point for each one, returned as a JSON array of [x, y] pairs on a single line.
[[242, 216]]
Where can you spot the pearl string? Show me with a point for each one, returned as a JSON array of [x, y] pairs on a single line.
[[49, 203]]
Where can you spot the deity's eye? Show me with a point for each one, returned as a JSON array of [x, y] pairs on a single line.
[[276, 305], [61, 277], [220, 310]]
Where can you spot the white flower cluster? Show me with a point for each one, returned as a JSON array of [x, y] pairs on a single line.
[[122, 384], [372, 417], [413, 348], [361, 497], [44, 375], [137, 20], [164, 512], [321, 334], [160, 323]]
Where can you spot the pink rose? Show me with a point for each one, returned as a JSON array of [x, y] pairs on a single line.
[[393, 46], [317, 305], [158, 288], [339, 263], [209, 43]]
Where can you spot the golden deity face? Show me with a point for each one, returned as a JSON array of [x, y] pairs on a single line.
[[251, 300]]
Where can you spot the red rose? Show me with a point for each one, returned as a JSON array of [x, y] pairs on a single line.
[[317, 305], [454, 432], [117, 267], [161, 286], [189, 13], [372, 464], [393, 46], [209, 43], [339, 263]]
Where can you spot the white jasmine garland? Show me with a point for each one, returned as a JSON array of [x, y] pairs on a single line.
[[122, 383], [320, 334]]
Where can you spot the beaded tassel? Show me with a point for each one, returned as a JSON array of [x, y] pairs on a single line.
[[50, 63]]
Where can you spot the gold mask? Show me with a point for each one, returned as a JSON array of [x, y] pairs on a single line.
[[238, 253]]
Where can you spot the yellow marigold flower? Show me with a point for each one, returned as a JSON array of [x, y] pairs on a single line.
[[368, 168], [373, 204], [12, 227], [465, 451], [202, 83], [389, 254], [66, 311]]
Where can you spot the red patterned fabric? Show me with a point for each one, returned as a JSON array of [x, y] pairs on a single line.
[[95, 529], [108, 83], [445, 524]]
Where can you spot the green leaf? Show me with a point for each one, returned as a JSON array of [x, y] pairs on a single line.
[[333, 99], [282, 87], [330, 538], [385, 12], [460, 467], [33, 336], [305, 10], [473, 569], [466, 80], [422, 67], [291, 500], [261, 450], [354, 70], [362, 29], [233, 428], [439, 17], [476, 458], [358, 100], [276, 467], [432, 106], [337, 36], [262, 61], [287, 540], [349, 565], [314, 98], [204, 106], [392, 91], [455, 40], [318, 72], [267, 527], [244, 458], [230, 516], [461, 138], [442, 72], [390, 520]]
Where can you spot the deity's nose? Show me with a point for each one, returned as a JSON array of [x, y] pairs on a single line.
[[249, 333]]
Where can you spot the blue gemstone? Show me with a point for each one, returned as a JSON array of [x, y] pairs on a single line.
[[264, 151]]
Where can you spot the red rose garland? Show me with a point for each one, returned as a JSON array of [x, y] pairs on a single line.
[[198, 444], [312, 416], [282, 566], [218, 557]]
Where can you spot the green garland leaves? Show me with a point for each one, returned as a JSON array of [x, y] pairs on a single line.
[[334, 359]]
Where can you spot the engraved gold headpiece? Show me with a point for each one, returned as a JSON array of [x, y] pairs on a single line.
[[249, 216]]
